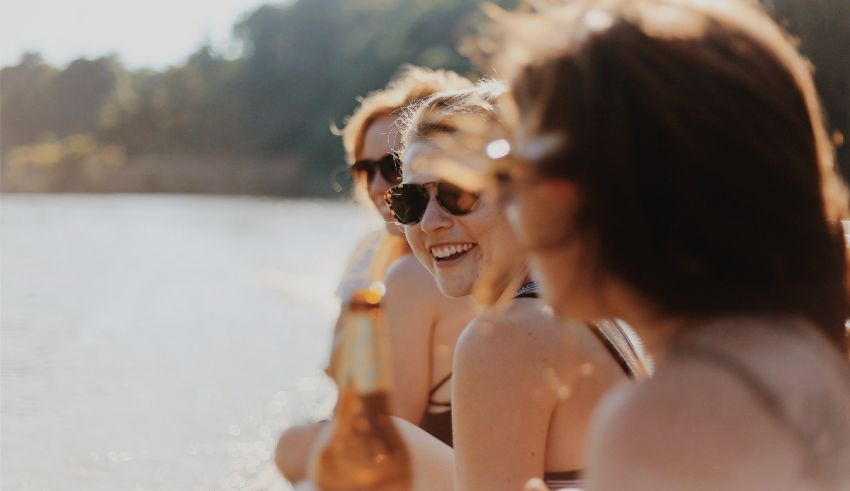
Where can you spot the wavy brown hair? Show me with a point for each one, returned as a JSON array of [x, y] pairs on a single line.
[[694, 133]]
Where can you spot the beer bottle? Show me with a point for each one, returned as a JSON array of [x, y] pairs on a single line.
[[364, 451]]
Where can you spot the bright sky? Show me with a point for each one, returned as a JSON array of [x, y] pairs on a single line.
[[144, 33]]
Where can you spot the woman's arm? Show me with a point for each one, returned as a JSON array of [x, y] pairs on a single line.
[[502, 405], [409, 318], [430, 459]]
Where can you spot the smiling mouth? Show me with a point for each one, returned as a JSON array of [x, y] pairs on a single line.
[[450, 252]]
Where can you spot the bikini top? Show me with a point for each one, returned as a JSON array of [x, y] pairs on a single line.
[[625, 346], [437, 419], [438, 423]]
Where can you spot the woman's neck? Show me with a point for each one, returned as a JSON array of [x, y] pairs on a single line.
[[657, 329], [499, 288], [656, 333]]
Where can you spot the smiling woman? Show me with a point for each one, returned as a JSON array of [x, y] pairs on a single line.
[[422, 324]]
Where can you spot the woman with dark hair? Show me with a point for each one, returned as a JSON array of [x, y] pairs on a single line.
[[668, 165]]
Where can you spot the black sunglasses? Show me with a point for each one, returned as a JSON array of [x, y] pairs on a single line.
[[388, 165], [408, 202]]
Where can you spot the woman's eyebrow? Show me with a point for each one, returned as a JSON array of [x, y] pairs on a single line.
[[436, 127]]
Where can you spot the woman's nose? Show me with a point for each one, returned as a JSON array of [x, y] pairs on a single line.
[[435, 218]]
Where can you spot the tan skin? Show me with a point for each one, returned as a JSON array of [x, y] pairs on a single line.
[[418, 318], [521, 403], [380, 138]]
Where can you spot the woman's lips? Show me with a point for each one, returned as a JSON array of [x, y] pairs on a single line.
[[445, 254]]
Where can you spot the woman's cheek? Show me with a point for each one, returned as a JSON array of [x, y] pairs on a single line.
[[416, 239]]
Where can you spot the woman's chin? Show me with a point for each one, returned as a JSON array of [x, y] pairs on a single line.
[[453, 289], [491, 285]]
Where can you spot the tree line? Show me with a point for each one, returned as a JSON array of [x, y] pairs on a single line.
[[268, 112]]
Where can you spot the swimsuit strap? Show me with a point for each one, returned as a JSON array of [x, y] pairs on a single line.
[[618, 342], [563, 479], [527, 290], [612, 348], [431, 401]]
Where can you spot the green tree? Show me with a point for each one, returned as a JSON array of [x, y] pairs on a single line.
[[23, 97]]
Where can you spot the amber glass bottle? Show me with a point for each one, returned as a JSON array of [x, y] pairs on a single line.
[[364, 451]]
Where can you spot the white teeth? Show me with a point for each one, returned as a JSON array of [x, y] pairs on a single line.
[[442, 252]]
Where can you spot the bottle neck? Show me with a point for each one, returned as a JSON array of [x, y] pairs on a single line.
[[365, 367]]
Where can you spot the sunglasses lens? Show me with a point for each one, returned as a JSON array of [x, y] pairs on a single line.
[[456, 200], [390, 169], [388, 166], [407, 202], [363, 170]]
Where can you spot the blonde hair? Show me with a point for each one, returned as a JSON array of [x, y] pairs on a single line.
[[409, 85], [412, 83], [439, 112]]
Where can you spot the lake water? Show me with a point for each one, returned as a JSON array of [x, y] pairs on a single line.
[[154, 342]]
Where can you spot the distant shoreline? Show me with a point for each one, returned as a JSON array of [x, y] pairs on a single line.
[[170, 174]]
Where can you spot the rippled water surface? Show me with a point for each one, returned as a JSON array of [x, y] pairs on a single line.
[[162, 342]]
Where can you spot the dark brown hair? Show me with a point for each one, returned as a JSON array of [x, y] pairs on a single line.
[[694, 133]]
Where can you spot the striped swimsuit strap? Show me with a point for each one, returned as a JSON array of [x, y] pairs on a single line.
[[563, 480], [527, 290], [622, 345]]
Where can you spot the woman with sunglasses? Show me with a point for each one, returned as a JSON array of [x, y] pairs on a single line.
[[525, 384], [422, 324], [669, 166]]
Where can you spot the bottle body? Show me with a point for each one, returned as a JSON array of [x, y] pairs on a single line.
[[364, 450]]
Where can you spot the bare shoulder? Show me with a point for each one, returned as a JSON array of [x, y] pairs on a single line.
[[523, 336], [692, 426], [407, 276]]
